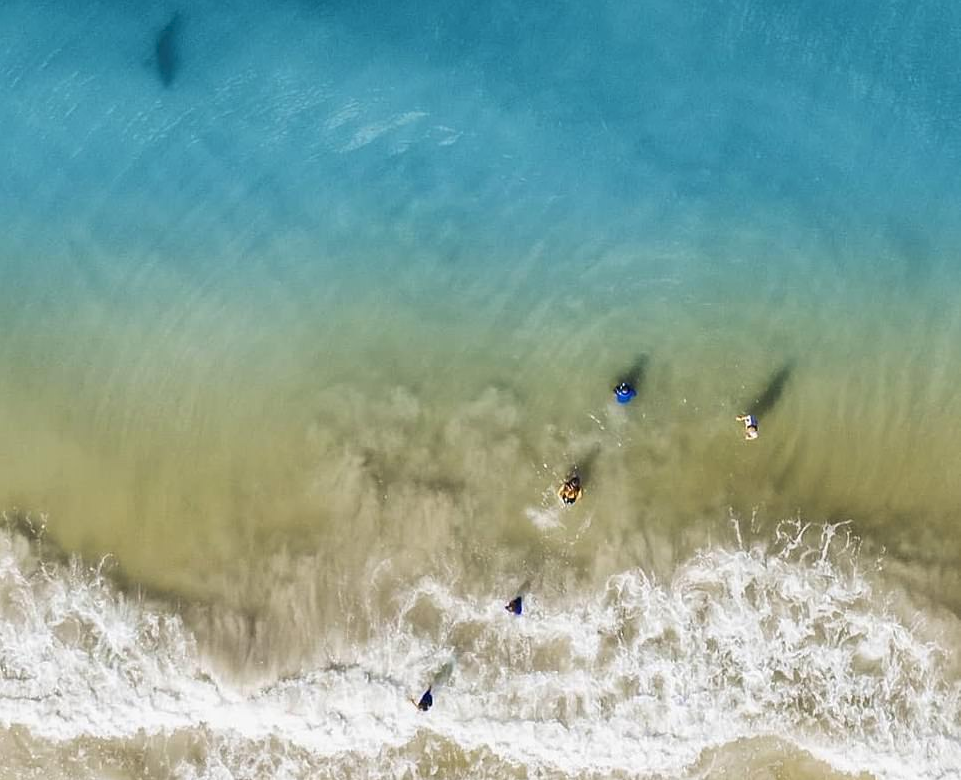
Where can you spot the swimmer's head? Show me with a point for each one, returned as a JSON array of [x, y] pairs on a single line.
[[750, 432]]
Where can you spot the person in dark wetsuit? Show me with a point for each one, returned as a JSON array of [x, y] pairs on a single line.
[[426, 701], [515, 606]]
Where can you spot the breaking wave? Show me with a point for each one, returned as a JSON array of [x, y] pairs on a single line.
[[785, 640]]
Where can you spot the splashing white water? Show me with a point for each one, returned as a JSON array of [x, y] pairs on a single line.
[[641, 677]]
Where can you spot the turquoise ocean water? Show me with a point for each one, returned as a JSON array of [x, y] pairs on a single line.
[[306, 309]]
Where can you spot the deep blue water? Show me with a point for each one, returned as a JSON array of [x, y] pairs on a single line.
[[610, 119]]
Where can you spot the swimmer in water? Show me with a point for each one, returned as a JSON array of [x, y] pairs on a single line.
[[571, 490], [425, 703], [624, 392], [750, 425], [515, 606]]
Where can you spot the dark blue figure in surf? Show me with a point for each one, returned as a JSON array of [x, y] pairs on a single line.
[[167, 51], [516, 605], [426, 701], [624, 392]]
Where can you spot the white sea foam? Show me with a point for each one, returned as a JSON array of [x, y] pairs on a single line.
[[545, 518], [640, 677]]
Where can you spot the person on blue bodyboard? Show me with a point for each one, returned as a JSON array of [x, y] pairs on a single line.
[[426, 701], [516, 605], [439, 679], [624, 392]]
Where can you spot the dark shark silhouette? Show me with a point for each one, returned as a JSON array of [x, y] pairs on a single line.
[[636, 375], [167, 50], [767, 399]]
